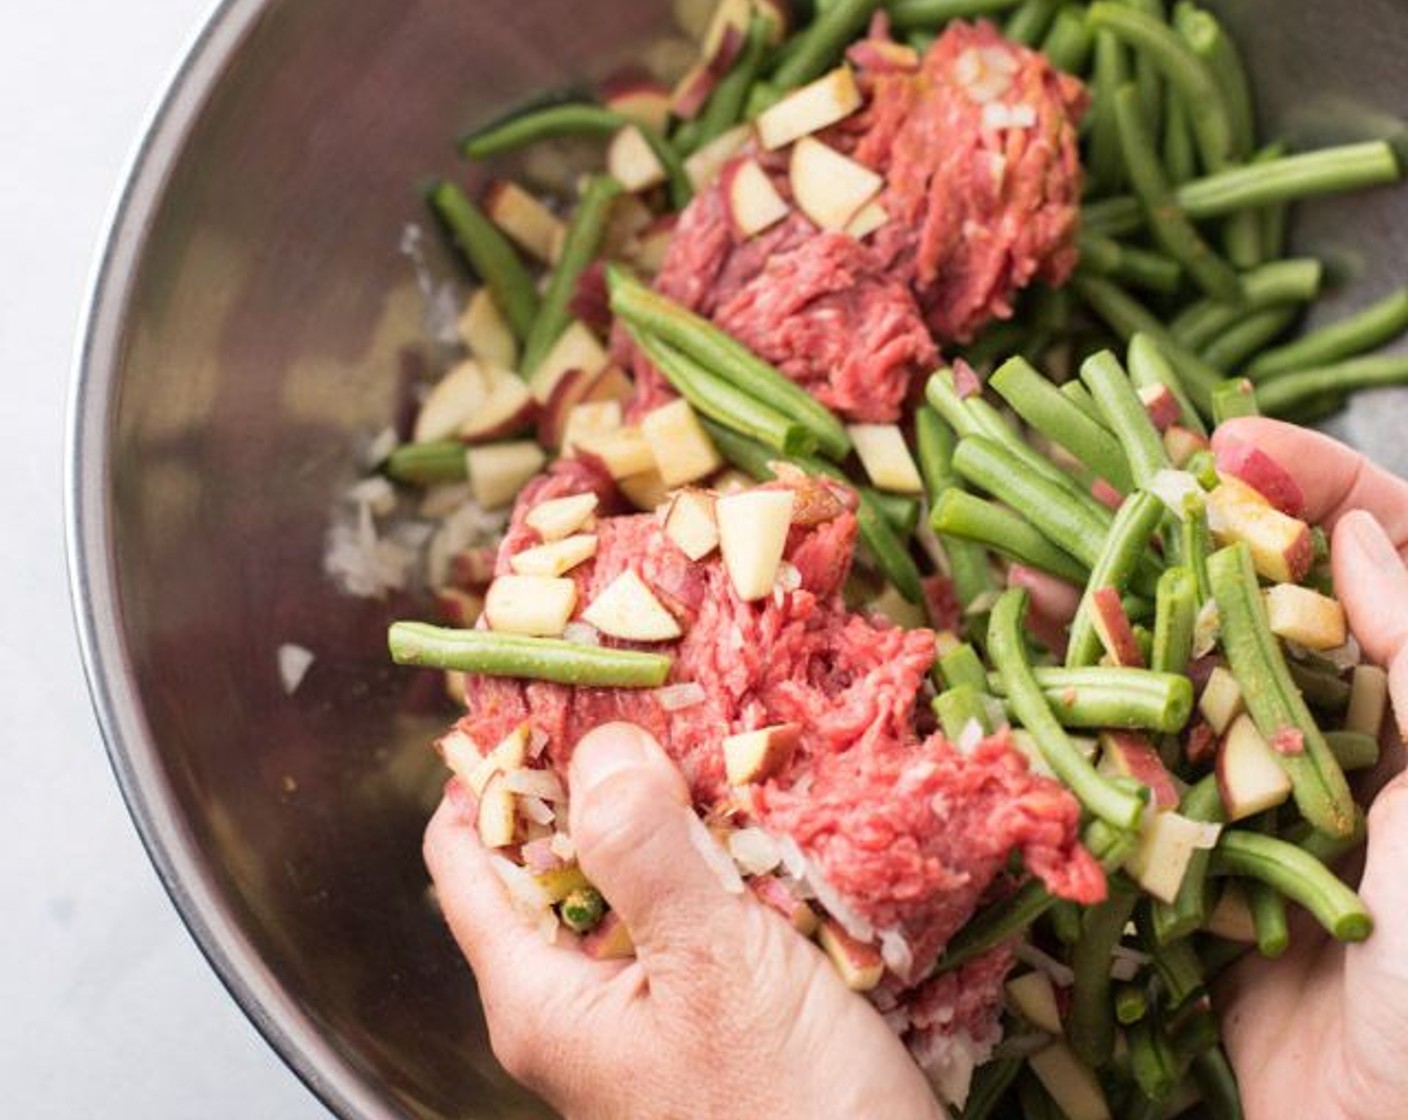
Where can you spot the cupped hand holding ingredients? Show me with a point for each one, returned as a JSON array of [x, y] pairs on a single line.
[[724, 1011], [1323, 1030]]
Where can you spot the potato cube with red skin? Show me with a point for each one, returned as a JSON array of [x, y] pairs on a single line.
[[524, 217], [558, 518], [1221, 700], [498, 471], [497, 819], [1034, 997], [774, 893], [1301, 615], [623, 451], [867, 220], [859, 965], [485, 332], [507, 409], [753, 202], [632, 162], [538, 606], [1231, 916], [554, 558], [614, 384], [642, 100], [702, 166], [1250, 778], [690, 523], [753, 527], [756, 756], [1113, 627], [1166, 845], [1262, 473], [682, 448], [610, 941], [588, 421], [627, 608], [885, 456], [1130, 754], [1162, 406], [451, 402], [568, 391], [576, 348], [1183, 443], [817, 105], [646, 490], [830, 188], [1281, 546]]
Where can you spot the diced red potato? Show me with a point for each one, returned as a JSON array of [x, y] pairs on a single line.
[[1368, 700], [753, 528], [524, 218], [756, 756], [1183, 443], [1113, 627], [1070, 1083], [1106, 494], [1033, 996], [693, 90], [1301, 615], [623, 451], [1262, 473], [576, 348], [570, 390], [729, 18], [557, 518], [1281, 546], [1162, 406], [589, 421], [627, 219], [632, 162], [555, 558], [643, 100], [451, 403], [1249, 776], [506, 409], [830, 188], [1131, 755], [691, 525], [867, 220], [498, 471], [497, 818], [628, 609], [610, 941], [646, 491], [683, 451], [885, 456], [1166, 845], [614, 384], [860, 965], [472, 569], [1231, 916], [703, 166], [817, 105], [538, 606], [774, 893], [485, 332], [1221, 700], [458, 608], [753, 202]]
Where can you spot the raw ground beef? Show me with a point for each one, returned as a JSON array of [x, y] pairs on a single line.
[[979, 151]]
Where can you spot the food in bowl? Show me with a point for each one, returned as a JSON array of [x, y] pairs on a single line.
[[874, 213]]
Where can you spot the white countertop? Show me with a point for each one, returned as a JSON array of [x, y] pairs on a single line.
[[107, 1009]]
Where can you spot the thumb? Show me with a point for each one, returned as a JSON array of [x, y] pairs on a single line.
[[639, 841], [1372, 582]]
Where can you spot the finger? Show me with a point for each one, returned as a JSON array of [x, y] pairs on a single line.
[[1334, 479], [641, 844], [1372, 583]]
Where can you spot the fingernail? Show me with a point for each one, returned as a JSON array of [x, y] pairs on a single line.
[[606, 751], [1369, 535]]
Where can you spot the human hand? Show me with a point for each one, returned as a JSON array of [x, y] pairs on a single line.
[[1323, 1031], [725, 1011]]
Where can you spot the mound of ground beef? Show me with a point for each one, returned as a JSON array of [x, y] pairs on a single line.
[[901, 836], [977, 144]]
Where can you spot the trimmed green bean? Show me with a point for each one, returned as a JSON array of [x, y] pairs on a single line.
[[1068, 44], [1125, 415], [991, 1081], [961, 516], [1131, 1004], [1329, 850], [426, 464], [1175, 963], [1175, 618], [1209, 40], [957, 707], [1353, 750], [1323, 688], [1037, 401], [1281, 282], [512, 655], [579, 249], [1109, 800], [1196, 545], [899, 510], [968, 562], [1235, 347], [1104, 256], [1379, 323], [1179, 153], [1148, 365], [1134, 524], [1080, 396], [1234, 399], [1130, 699], [548, 122], [1293, 178], [1255, 657], [1106, 163], [1183, 70], [1090, 1023], [820, 46], [1147, 77], [490, 254], [1218, 1084], [962, 665], [1152, 1060], [721, 401], [1030, 21], [930, 14], [1184, 916], [729, 359], [1282, 395], [725, 106], [1297, 875], [1170, 226]]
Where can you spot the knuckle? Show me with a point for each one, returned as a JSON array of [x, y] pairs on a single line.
[[614, 817]]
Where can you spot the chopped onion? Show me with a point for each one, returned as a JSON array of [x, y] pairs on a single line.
[[1060, 974], [1207, 628], [381, 446], [294, 661], [526, 894], [789, 577], [563, 847], [970, 738], [676, 697], [549, 926], [542, 784], [534, 809], [754, 851], [538, 856], [537, 743], [1174, 488], [582, 633], [375, 492], [948, 1061], [714, 855], [830, 898], [998, 114], [444, 499], [895, 950]]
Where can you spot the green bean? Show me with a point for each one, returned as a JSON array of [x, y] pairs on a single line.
[[968, 562], [1296, 874], [1179, 154], [991, 1081], [1080, 396], [1064, 918], [1353, 750], [1213, 1073], [1171, 921], [1034, 1102], [579, 249], [1175, 963], [1175, 617], [1125, 415], [1183, 70], [1273, 933], [1112, 802], [1131, 699], [1234, 399], [1286, 392], [725, 106], [1235, 347], [1146, 72], [1037, 401], [1281, 282], [1254, 655], [1152, 1060], [1365, 330], [960, 516], [1329, 849], [957, 707], [1209, 40], [1170, 226], [546, 122], [1275, 219], [1293, 178], [1068, 44], [1196, 546], [728, 358], [927, 14], [1104, 256], [1127, 317], [1131, 1004], [1031, 20], [900, 511], [1134, 524], [1149, 366], [1106, 163], [722, 402], [490, 254], [817, 48], [426, 464], [1090, 1023], [512, 655], [962, 665], [1323, 688]]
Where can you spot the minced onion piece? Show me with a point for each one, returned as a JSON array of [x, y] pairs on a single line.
[[1207, 628], [677, 697], [753, 851], [537, 743], [533, 808], [838, 908], [563, 847], [896, 951], [582, 633], [969, 738], [1174, 488], [714, 855], [542, 784], [524, 891], [294, 661]]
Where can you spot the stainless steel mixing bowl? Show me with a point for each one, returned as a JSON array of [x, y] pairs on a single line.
[[243, 340]]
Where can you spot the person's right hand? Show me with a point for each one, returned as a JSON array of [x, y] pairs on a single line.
[[1323, 1031]]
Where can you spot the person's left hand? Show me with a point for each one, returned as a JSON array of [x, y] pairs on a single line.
[[726, 1011]]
